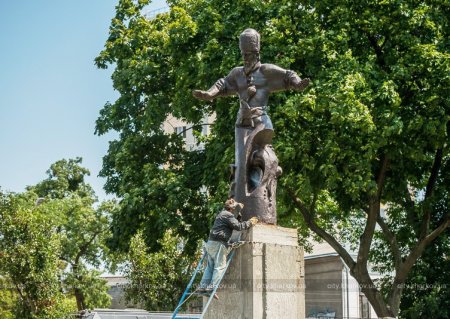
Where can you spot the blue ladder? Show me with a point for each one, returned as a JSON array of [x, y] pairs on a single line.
[[187, 293]]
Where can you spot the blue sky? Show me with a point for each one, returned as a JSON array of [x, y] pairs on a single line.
[[50, 90]]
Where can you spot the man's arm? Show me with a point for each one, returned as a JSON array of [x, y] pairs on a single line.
[[223, 87], [236, 225]]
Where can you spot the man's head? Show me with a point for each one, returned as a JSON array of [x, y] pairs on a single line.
[[249, 45], [231, 205]]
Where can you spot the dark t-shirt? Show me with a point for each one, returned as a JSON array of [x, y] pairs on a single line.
[[223, 227]]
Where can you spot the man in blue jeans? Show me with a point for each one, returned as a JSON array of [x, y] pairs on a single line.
[[217, 247]]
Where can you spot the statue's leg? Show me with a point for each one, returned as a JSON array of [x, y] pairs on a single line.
[[262, 173], [241, 135], [256, 170]]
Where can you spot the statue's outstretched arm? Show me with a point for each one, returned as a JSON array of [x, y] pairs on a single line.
[[294, 82], [223, 87], [213, 92], [279, 79]]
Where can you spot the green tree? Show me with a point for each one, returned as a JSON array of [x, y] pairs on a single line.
[[83, 229], [49, 235], [29, 251], [373, 128], [156, 278], [65, 178]]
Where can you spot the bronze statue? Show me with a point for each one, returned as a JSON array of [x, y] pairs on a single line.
[[256, 165]]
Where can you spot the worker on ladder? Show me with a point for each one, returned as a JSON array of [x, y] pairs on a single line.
[[218, 247]]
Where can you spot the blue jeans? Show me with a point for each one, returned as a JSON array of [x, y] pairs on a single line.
[[216, 256]]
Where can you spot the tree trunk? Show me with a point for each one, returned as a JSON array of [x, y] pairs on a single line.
[[380, 306], [79, 298]]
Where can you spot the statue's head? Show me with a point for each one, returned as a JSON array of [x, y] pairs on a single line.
[[249, 45], [249, 41]]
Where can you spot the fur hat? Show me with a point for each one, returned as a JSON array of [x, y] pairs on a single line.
[[249, 41]]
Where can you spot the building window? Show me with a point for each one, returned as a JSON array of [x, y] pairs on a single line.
[[181, 130]]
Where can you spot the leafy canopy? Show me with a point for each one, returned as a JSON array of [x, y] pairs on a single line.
[[82, 229], [157, 280], [48, 237], [29, 257], [373, 128]]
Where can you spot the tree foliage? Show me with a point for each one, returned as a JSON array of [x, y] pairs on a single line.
[[48, 237], [83, 229], [8, 298], [373, 128], [29, 257], [426, 293], [156, 280], [65, 179]]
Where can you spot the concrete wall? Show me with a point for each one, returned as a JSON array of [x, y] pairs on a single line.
[[331, 290], [265, 278], [323, 280], [117, 285]]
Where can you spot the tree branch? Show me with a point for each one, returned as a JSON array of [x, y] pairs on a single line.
[[424, 227], [382, 175], [378, 50], [20, 292], [392, 239], [24, 298], [406, 266], [320, 231], [313, 202], [409, 202], [434, 173], [372, 215], [84, 247], [417, 251]]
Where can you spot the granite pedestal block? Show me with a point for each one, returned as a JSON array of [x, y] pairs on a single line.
[[265, 279]]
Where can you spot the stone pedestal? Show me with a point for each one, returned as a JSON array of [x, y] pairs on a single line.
[[265, 279]]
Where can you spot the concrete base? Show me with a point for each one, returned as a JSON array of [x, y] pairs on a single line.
[[265, 280]]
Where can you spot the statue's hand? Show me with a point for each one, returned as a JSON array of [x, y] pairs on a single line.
[[202, 95], [303, 84]]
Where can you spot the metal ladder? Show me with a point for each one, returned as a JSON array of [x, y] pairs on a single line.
[[188, 293]]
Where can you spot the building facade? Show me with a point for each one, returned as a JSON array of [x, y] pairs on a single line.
[[331, 292]]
